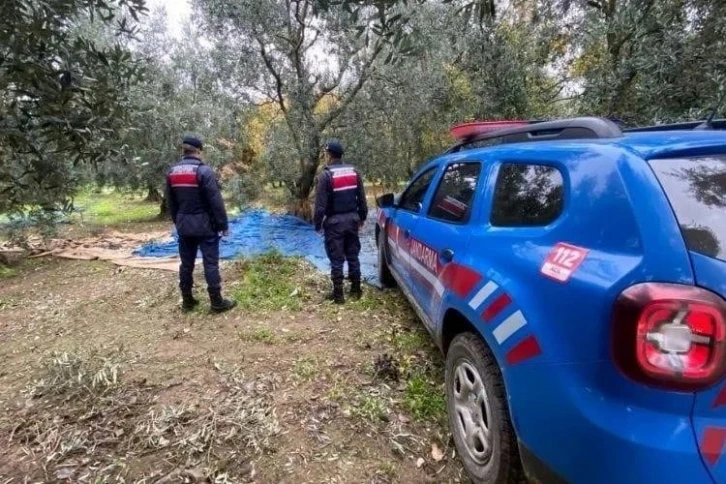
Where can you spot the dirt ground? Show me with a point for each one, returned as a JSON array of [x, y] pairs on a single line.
[[104, 379]]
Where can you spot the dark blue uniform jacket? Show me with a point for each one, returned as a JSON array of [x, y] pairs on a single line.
[[195, 200], [339, 192]]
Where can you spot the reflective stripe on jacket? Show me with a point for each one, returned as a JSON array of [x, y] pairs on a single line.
[[339, 191], [194, 199]]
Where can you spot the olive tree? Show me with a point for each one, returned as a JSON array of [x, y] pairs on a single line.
[[63, 95], [463, 70], [649, 61], [300, 54], [179, 94]]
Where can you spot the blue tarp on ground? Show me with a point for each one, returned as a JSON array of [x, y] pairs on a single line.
[[257, 232]]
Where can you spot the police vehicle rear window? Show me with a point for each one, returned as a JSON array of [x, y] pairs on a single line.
[[696, 188]]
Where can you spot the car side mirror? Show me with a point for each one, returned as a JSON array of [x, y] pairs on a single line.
[[386, 201]]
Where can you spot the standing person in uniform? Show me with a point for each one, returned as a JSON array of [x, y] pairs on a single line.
[[197, 209], [341, 210]]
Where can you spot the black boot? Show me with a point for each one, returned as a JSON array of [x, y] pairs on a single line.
[[356, 292], [338, 295], [188, 301], [219, 304]]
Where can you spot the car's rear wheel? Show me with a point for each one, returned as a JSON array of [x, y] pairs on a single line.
[[478, 413], [384, 272]]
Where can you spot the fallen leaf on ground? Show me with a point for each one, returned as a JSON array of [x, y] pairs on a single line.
[[65, 473], [436, 453]]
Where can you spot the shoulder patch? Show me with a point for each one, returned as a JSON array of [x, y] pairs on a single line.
[[184, 176], [344, 178]]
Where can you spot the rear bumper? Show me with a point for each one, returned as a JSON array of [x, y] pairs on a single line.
[[578, 433], [536, 470]]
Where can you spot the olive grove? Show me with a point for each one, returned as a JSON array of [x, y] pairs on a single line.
[[100, 92]]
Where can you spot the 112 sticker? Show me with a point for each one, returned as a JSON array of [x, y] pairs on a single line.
[[562, 261]]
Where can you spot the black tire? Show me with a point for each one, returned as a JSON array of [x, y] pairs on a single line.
[[495, 458], [384, 272]]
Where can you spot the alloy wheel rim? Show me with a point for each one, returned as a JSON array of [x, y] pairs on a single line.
[[472, 412]]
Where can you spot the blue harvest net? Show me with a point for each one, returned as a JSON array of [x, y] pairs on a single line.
[[257, 232]]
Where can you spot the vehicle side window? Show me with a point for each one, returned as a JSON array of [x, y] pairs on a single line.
[[454, 196], [527, 195], [696, 189], [414, 196]]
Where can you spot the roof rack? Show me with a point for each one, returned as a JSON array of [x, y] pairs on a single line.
[[715, 124], [564, 129]]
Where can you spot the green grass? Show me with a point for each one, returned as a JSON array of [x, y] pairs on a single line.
[[269, 283], [293, 337], [113, 208], [371, 300], [418, 361], [262, 335], [340, 389], [305, 368], [8, 303], [402, 339], [411, 341], [7, 272], [22, 267], [371, 408], [388, 469], [375, 299], [424, 399]]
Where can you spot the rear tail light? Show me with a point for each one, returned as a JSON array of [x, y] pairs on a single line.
[[670, 336]]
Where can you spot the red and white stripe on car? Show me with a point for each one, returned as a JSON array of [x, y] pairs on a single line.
[[713, 440], [489, 300]]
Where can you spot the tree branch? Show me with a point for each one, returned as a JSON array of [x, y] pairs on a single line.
[[312, 41], [271, 68], [279, 88], [557, 91], [325, 90], [300, 40], [364, 74], [301, 20]]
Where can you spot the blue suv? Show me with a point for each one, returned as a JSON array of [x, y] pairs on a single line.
[[574, 276]]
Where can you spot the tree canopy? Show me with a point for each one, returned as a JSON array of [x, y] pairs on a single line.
[[100, 91], [64, 93]]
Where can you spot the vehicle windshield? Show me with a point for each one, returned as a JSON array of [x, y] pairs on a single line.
[[696, 189]]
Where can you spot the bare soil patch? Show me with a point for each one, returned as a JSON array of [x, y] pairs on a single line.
[[104, 379]]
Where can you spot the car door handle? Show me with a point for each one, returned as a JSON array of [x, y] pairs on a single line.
[[447, 255]]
